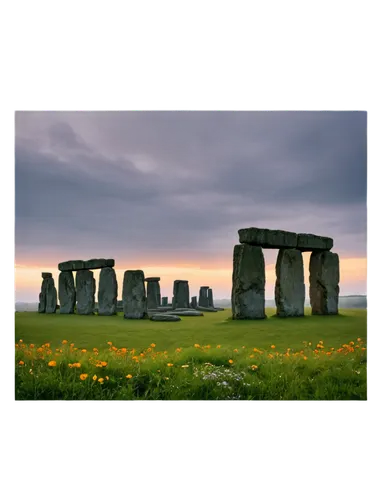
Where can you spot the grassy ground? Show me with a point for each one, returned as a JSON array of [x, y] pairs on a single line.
[[210, 357]]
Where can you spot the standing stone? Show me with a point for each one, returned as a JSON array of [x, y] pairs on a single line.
[[67, 292], [210, 298], [180, 294], [51, 295], [324, 282], [85, 291], [134, 295], [248, 282], [194, 302], [153, 293], [107, 295], [203, 296], [290, 287], [42, 297], [164, 301]]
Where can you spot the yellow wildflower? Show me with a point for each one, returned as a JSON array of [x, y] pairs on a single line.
[[129, 376], [32, 346], [84, 350], [273, 346], [71, 345], [230, 361], [178, 349], [123, 349], [169, 364], [83, 376], [153, 345], [64, 342], [21, 362], [101, 380], [196, 345], [52, 363], [106, 377], [218, 346], [351, 343], [104, 363], [94, 377], [109, 343], [305, 358], [235, 350], [20, 341], [254, 367], [358, 339], [77, 365]]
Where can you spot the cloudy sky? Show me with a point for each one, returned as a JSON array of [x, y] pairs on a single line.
[[166, 192]]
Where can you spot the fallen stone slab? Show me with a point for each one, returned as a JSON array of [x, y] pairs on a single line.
[[219, 308], [310, 242], [186, 313], [206, 309], [164, 317], [80, 265], [268, 238]]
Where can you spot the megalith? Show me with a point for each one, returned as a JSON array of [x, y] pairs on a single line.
[[164, 301], [134, 295], [67, 292], [153, 293], [107, 294], [42, 295], [210, 298], [203, 296], [194, 302], [51, 295], [85, 291], [180, 294], [290, 287], [324, 282], [248, 282]]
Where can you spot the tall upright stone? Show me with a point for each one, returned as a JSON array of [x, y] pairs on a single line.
[[51, 295], [324, 282], [67, 292], [134, 295], [290, 287], [42, 295], [180, 294], [210, 297], [153, 293], [85, 292], [203, 296], [194, 302], [107, 295], [164, 301], [248, 282]]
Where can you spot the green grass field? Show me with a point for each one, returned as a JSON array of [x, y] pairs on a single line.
[[293, 368]]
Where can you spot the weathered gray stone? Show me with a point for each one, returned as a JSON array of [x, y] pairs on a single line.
[[67, 292], [290, 287], [311, 242], [194, 302], [203, 296], [180, 294], [268, 238], [248, 283], [185, 313], [51, 295], [79, 265], [164, 317], [153, 293], [42, 301], [210, 298], [206, 309], [72, 265], [324, 282], [134, 295], [46, 275], [85, 291], [107, 295], [164, 301]]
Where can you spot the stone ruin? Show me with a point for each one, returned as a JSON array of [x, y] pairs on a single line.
[[134, 295], [181, 295], [153, 293], [248, 279], [48, 295], [203, 296]]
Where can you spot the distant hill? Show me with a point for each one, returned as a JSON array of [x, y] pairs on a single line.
[[345, 302]]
